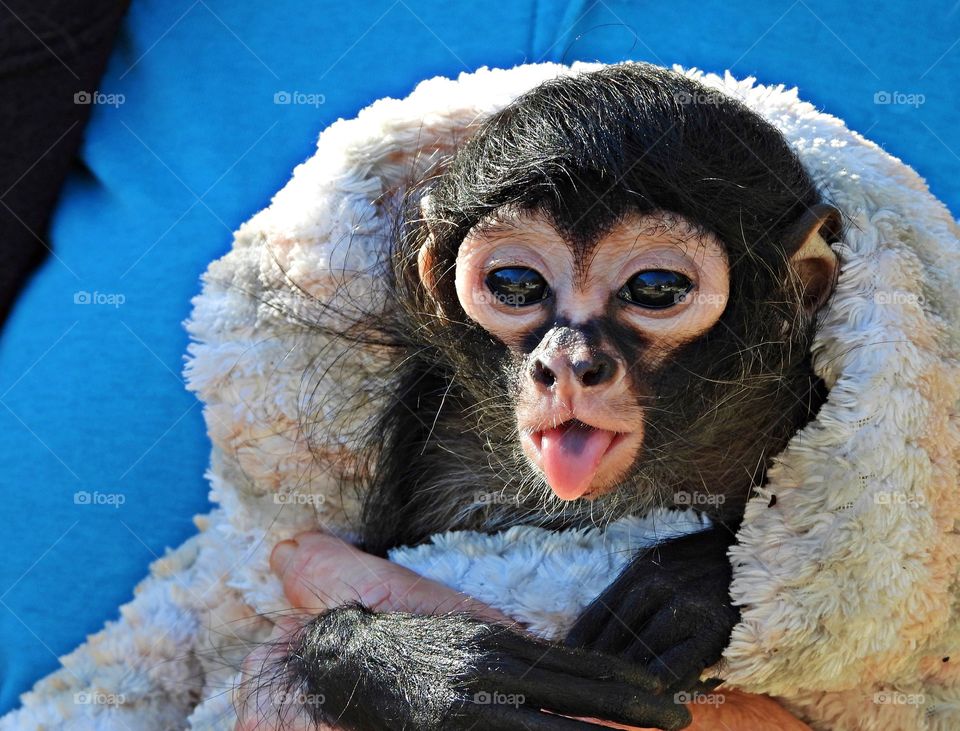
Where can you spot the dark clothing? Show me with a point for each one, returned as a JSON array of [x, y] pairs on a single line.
[[50, 51]]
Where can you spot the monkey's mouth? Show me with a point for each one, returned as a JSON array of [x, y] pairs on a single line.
[[579, 460]]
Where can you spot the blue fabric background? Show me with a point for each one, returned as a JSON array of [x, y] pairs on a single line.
[[91, 398]]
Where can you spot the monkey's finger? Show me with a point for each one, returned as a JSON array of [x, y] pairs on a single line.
[[690, 682], [611, 612], [580, 696], [666, 629], [571, 661], [589, 624], [625, 623], [678, 664], [673, 648]]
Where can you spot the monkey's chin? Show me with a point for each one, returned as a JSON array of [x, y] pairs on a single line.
[[579, 460]]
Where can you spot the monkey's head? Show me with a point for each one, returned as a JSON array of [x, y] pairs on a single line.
[[620, 271]]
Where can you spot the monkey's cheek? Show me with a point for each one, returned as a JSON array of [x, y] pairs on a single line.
[[613, 468]]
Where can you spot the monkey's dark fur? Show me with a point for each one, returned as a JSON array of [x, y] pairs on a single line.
[[585, 150]]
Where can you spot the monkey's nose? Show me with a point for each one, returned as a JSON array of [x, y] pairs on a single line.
[[597, 369]]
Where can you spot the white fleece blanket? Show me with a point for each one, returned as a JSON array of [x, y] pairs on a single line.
[[848, 580]]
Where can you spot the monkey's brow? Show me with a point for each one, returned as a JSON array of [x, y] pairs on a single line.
[[505, 221], [499, 226], [491, 228]]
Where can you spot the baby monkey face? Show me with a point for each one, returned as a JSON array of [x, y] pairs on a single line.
[[588, 325]]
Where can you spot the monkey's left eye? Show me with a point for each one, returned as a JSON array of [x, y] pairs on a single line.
[[517, 286], [656, 289]]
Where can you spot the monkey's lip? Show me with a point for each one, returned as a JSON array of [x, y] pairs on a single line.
[[580, 460]]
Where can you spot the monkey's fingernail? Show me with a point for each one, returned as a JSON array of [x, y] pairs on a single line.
[[281, 555], [710, 683]]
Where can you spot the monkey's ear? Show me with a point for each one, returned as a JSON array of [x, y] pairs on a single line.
[[425, 258], [814, 262]]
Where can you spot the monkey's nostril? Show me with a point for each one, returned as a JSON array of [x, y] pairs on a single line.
[[595, 372], [595, 375], [542, 375]]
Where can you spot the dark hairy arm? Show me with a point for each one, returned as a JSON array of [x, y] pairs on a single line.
[[648, 636], [669, 611], [374, 671]]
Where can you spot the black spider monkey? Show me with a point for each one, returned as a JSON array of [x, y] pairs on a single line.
[[602, 302]]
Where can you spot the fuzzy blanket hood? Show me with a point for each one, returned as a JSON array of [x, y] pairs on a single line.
[[848, 579]]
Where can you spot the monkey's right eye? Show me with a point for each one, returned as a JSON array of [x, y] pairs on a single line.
[[656, 289], [517, 286]]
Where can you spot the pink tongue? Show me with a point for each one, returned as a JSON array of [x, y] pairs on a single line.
[[571, 455]]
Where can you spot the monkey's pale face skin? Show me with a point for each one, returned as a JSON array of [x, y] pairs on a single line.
[[579, 407]]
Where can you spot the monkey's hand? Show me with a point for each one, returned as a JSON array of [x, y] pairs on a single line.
[[670, 609], [425, 657], [366, 671]]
